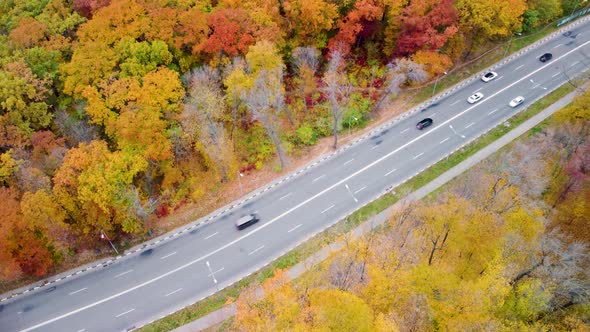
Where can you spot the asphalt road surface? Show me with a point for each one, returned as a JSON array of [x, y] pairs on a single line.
[[143, 287]]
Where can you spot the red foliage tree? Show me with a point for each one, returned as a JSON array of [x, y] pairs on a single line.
[[232, 32], [358, 19], [426, 24], [87, 7]]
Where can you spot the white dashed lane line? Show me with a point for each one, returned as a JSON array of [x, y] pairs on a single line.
[[444, 140], [403, 131], [255, 250], [555, 75], [469, 125], [212, 235], [359, 190], [124, 313], [78, 291], [210, 274], [348, 161], [82, 330], [319, 177], [556, 46], [173, 292], [416, 157], [574, 63], [517, 68], [393, 170], [376, 146], [294, 228], [289, 194], [492, 112], [122, 274], [170, 254], [328, 209], [455, 102]]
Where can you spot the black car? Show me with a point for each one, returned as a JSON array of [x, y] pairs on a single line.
[[424, 123], [546, 57]]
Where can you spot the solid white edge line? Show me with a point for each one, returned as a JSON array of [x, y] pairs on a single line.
[[78, 291], [124, 313], [294, 228], [255, 250], [170, 254], [270, 222], [212, 235], [176, 291], [328, 209]]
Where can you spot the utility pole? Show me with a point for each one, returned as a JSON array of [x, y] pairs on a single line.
[[104, 236]]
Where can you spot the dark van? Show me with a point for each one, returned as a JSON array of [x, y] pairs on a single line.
[[246, 221]]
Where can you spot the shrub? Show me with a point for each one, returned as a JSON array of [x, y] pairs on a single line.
[[306, 135]]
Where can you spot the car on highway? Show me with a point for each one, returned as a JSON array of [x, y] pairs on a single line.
[[516, 101], [474, 98], [546, 57], [247, 220], [424, 123], [489, 76]]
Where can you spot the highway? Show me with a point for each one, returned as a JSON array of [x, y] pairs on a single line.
[[143, 287]]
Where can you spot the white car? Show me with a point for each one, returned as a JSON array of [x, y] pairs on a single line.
[[516, 101], [474, 98], [489, 76]]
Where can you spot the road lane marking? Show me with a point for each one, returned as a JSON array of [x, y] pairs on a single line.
[[358, 191], [444, 140], [477, 90], [270, 222], [212, 235], [574, 63], [403, 131], [328, 209], [494, 111], [78, 291], [348, 161], [176, 291], [499, 77], [416, 157], [319, 177], [122, 274], [469, 125], [124, 313], [393, 170], [255, 250], [294, 228], [289, 194], [556, 74], [376, 146], [517, 68], [455, 102], [82, 330], [210, 274], [164, 257], [556, 46], [433, 114]]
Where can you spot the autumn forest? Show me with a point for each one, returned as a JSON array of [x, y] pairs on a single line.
[[115, 112]]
